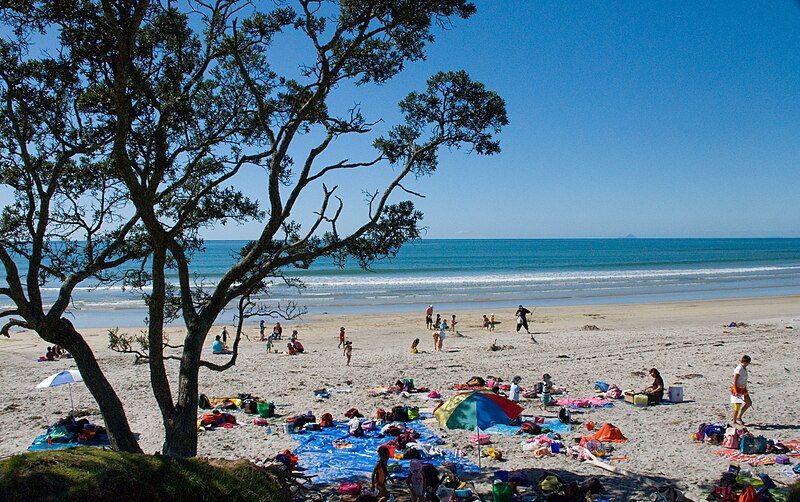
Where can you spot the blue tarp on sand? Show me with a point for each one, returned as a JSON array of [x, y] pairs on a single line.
[[316, 453], [40, 444], [551, 424]]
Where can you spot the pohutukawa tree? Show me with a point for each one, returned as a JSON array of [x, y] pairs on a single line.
[[188, 95]]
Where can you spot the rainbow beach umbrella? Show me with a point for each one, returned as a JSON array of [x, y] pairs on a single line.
[[476, 410]]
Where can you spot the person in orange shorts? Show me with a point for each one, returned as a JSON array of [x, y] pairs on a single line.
[[739, 390]]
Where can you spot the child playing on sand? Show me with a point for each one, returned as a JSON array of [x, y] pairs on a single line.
[[380, 474], [348, 351], [290, 349], [414, 345], [514, 392], [341, 337]]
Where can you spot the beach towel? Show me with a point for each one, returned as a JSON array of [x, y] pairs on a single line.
[[70, 433], [585, 402], [745, 458], [551, 425]]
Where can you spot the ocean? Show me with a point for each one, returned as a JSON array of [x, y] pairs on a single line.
[[502, 273]]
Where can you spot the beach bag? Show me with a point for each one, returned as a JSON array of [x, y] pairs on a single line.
[[204, 403], [265, 410], [413, 413], [351, 488], [564, 416], [480, 439], [752, 444], [501, 492], [398, 414], [732, 438], [368, 425], [530, 428], [614, 392]]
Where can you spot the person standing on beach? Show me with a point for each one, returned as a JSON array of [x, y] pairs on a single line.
[[442, 335], [261, 327], [522, 321], [453, 324], [225, 337], [438, 321], [348, 351], [429, 317], [491, 322], [341, 337], [739, 393]]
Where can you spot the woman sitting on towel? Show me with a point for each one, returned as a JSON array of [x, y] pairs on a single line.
[[655, 392]]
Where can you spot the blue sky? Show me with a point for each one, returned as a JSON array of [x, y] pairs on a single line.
[[660, 119]]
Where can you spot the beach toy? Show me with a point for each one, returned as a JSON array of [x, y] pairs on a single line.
[[590, 425], [555, 447]]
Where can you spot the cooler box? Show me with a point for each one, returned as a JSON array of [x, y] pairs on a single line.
[[640, 400], [629, 397], [676, 394]]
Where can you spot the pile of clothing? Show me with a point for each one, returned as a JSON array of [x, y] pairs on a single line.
[[736, 485], [215, 419], [69, 433], [246, 402]]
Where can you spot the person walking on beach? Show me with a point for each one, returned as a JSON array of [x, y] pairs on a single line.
[[261, 327], [429, 317], [348, 351], [341, 337], [740, 397], [522, 321], [491, 322]]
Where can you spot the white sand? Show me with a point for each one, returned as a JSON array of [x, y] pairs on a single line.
[[684, 340]]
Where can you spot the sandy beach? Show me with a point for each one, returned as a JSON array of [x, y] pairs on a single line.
[[686, 341]]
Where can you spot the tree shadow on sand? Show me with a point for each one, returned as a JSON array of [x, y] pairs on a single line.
[[615, 487]]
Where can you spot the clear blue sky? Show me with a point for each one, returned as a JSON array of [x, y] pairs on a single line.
[[659, 119], [653, 118]]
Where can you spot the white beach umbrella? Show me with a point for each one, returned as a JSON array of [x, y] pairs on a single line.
[[65, 377]]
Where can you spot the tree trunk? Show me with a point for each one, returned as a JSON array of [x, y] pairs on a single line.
[[119, 431], [181, 430]]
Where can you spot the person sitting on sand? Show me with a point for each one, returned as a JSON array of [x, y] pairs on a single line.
[[739, 390], [277, 331], [218, 348], [290, 349], [655, 391], [547, 384], [298, 346], [294, 336], [348, 351], [381, 473], [414, 345], [514, 391], [50, 355]]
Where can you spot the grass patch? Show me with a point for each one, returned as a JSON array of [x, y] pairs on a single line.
[[94, 474]]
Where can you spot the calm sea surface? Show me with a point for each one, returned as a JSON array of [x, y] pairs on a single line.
[[498, 274]]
